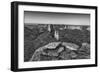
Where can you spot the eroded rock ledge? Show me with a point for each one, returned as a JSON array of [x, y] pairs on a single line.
[[61, 51]]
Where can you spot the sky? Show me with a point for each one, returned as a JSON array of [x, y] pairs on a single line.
[[56, 18]]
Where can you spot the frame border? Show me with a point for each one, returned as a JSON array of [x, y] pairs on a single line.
[[14, 35]]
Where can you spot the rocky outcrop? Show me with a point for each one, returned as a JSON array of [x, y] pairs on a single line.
[[55, 49]]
